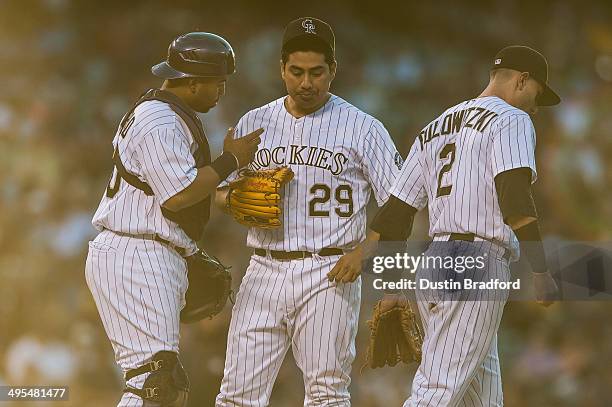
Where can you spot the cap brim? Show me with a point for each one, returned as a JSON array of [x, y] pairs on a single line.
[[549, 97], [165, 71]]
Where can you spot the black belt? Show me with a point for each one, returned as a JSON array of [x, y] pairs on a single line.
[[298, 254], [180, 250], [469, 237]]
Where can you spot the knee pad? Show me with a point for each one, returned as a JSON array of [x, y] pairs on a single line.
[[167, 384]]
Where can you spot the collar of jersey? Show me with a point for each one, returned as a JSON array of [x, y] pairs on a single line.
[[331, 99]]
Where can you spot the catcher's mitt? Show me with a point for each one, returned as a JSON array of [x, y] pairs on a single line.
[[254, 198], [210, 285], [395, 335]]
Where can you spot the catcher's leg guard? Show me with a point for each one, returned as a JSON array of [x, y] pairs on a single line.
[[167, 384]]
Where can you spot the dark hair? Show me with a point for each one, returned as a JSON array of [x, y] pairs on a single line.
[[308, 44]]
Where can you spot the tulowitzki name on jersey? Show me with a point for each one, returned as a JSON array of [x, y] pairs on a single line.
[[477, 118], [293, 154]]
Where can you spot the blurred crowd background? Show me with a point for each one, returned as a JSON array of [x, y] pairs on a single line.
[[70, 69]]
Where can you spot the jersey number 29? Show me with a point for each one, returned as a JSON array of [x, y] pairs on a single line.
[[343, 195]]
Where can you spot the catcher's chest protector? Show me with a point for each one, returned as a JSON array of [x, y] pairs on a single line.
[[192, 219]]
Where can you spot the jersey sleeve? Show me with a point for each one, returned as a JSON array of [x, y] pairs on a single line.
[[381, 161], [166, 161], [410, 184], [514, 144]]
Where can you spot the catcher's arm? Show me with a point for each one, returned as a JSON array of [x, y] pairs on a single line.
[[236, 153]]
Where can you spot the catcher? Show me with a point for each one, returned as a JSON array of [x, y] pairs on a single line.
[[153, 212]]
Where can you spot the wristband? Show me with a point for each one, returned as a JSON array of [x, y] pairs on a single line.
[[225, 164], [531, 245]]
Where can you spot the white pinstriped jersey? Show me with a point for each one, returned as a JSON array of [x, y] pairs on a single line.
[[340, 156], [453, 162], [156, 146]]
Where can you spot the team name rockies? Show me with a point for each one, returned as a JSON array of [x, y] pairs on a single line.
[[312, 156], [477, 118]]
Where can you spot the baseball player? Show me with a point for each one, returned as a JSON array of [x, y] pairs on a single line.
[[473, 168], [301, 290], [154, 210]]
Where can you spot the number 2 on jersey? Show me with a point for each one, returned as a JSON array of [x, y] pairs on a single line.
[[341, 190], [447, 150]]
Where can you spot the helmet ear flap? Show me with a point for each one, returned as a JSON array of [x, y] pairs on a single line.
[[231, 62]]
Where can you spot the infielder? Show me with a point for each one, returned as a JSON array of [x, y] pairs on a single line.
[[340, 157], [473, 167], [154, 210]]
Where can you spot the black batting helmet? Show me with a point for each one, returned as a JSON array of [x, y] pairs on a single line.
[[197, 55]]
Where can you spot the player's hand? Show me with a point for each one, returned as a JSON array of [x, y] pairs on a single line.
[[391, 300], [545, 288], [348, 268], [243, 148]]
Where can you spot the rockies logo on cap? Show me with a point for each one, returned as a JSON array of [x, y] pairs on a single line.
[[310, 29], [308, 26]]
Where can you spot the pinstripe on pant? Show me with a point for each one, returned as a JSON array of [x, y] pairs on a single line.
[[291, 304], [460, 365], [139, 289]]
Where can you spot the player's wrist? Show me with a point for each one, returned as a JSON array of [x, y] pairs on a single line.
[[225, 164], [235, 158]]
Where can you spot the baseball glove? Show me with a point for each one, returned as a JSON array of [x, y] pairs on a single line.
[[210, 285], [395, 335], [254, 198]]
